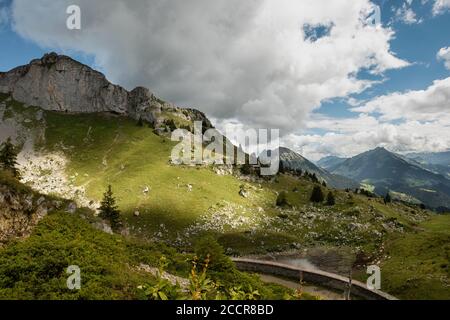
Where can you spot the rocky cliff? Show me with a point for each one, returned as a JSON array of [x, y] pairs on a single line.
[[59, 83], [21, 209]]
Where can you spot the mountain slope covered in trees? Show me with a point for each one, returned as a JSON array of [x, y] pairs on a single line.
[[386, 171]]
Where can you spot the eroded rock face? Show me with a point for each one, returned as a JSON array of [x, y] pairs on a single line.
[[20, 212], [59, 83], [144, 105], [62, 84]]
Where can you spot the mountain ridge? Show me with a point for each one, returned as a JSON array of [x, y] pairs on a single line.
[[293, 161], [387, 171], [437, 162], [60, 83], [330, 161]]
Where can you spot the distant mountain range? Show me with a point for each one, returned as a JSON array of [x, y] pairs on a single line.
[[294, 161], [383, 171], [330, 162], [438, 162]]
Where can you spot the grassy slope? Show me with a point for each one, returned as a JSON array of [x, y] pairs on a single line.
[[35, 268], [418, 267], [111, 150], [136, 158]]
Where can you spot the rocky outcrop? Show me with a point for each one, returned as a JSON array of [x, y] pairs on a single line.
[[59, 83], [21, 210], [143, 104]]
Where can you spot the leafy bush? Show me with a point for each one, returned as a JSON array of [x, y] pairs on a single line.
[[204, 286], [36, 268], [208, 249], [282, 199]]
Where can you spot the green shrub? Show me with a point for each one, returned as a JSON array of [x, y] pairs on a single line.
[[208, 248], [282, 199]]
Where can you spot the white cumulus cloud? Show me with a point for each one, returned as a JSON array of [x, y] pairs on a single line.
[[431, 104], [440, 6], [408, 136], [444, 55], [412, 121], [245, 60], [406, 14]]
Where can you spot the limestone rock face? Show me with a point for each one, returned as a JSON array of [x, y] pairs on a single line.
[[20, 212], [59, 83], [144, 105]]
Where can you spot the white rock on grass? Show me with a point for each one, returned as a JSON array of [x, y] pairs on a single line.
[[46, 173]]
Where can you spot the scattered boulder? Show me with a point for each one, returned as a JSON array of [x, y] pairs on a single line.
[[71, 207], [103, 226], [243, 192], [40, 200]]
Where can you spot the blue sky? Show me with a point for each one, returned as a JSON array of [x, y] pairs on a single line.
[[17, 50], [236, 74], [417, 43]]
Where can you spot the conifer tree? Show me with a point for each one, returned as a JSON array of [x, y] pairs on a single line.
[[387, 198], [317, 195], [331, 201], [314, 178], [109, 211], [8, 157]]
